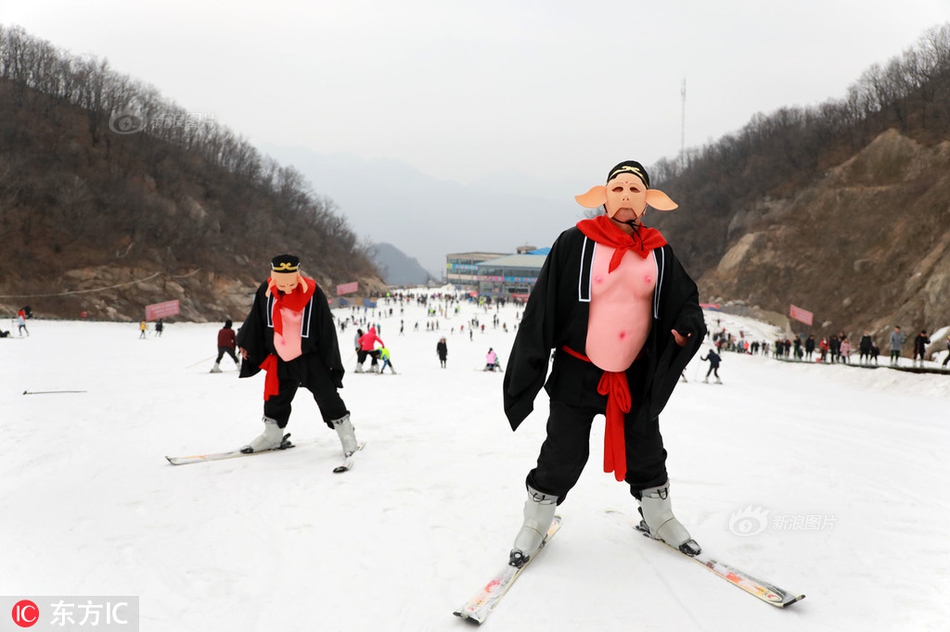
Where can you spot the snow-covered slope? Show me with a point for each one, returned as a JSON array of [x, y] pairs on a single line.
[[846, 468]]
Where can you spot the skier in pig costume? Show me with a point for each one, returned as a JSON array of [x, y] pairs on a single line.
[[623, 319]]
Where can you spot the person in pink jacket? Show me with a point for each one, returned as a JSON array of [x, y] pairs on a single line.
[[845, 350], [368, 348]]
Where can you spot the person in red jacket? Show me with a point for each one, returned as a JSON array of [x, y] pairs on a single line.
[[368, 348], [226, 343]]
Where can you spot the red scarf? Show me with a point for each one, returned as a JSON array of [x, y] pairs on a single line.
[[604, 231], [296, 300]]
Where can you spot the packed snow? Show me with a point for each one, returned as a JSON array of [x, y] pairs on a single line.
[[826, 480]]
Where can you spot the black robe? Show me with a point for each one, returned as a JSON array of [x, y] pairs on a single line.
[[557, 314], [318, 339]]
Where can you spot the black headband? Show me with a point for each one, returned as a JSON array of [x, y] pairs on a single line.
[[630, 166]]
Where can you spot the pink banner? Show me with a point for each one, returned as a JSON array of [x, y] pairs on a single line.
[[801, 315], [162, 310], [347, 288]]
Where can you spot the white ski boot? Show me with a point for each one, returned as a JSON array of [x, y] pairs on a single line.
[[216, 368], [659, 521], [347, 434], [538, 515], [270, 439]]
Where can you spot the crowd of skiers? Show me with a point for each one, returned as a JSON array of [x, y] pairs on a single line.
[[833, 349]]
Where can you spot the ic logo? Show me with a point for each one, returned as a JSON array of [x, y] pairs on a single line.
[[25, 613]]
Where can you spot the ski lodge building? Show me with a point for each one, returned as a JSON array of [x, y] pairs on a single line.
[[494, 275]]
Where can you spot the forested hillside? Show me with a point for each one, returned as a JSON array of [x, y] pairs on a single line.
[[113, 197], [842, 208]]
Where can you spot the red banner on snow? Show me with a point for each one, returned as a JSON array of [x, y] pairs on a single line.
[[162, 310], [347, 288], [801, 315]]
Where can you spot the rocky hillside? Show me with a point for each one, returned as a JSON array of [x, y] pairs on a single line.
[[865, 247], [842, 209]]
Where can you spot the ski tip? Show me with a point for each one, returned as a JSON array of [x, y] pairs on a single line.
[[465, 617], [794, 599]]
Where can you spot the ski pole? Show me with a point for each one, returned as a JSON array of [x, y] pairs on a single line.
[[200, 361], [49, 392]]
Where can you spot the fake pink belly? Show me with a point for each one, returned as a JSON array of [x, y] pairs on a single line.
[[620, 308]]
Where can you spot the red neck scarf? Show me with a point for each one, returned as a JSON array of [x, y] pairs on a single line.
[[604, 231], [296, 300]]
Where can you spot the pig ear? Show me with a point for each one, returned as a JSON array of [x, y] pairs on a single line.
[[660, 201], [593, 198]]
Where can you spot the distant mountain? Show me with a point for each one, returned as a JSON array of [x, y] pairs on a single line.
[[426, 218], [397, 268]]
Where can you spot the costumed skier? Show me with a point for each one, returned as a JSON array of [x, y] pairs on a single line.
[[289, 333], [624, 319]]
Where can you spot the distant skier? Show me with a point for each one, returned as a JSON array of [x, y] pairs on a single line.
[[368, 348], [491, 361], [845, 350], [226, 344], [897, 343], [289, 334], [864, 346], [442, 350], [809, 348], [714, 359], [920, 346], [21, 324], [387, 361]]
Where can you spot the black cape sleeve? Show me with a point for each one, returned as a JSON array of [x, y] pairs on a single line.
[[679, 310], [252, 334], [528, 362]]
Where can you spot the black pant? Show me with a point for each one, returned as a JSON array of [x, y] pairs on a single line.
[[361, 357], [566, 449], [227, 350], [312, 375]]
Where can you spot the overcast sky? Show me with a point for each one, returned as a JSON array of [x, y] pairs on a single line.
[[460, 90]]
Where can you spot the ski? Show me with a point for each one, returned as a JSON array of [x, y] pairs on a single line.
[[483, 603], [348, 461], [769, 593], [230, 454]]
